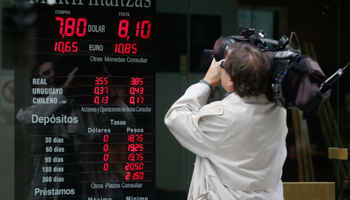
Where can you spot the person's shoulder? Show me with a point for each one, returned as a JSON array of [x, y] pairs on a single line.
[[215, 107], [220, 109]]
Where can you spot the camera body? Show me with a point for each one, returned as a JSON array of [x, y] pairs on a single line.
[[296, 80], [245, 35]]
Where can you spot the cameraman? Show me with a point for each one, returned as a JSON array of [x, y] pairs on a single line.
[[240, 140]]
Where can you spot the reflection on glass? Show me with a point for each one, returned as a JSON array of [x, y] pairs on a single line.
[[76, 149]]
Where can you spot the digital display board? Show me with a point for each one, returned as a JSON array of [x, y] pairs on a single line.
[[87, 117]]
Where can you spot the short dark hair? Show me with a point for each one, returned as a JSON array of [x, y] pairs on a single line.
[[248, 69]]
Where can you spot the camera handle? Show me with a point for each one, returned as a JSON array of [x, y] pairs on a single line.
[[282, 44], [261, 40], [329, 81]]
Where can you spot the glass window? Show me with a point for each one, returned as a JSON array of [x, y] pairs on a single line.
[[142, 62]]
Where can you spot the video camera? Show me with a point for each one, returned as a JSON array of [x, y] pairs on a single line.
[[246, 35], [297, 80]]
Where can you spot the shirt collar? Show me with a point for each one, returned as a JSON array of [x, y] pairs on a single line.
[[235, 97]]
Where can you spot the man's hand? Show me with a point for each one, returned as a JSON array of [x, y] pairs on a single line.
[[213, 75], [70, 77]]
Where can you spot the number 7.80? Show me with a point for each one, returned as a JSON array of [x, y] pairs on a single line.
[[70, 26]]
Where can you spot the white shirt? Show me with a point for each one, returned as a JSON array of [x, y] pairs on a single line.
[[239, 143]]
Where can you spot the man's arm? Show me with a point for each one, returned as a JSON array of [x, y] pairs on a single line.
[[182, 120], [185, 116]]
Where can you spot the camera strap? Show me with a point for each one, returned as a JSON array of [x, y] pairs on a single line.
[[280, 63]]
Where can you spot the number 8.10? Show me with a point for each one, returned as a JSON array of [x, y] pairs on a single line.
[[143, 29]]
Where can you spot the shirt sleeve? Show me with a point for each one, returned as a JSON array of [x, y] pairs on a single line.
[[189, 119], [25, 115]]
